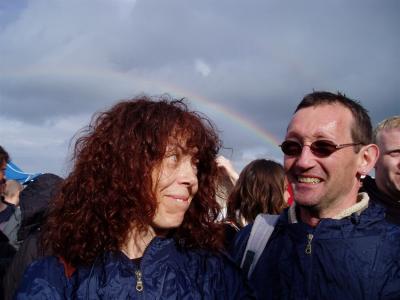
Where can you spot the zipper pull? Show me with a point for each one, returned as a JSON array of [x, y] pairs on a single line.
[[308, 246], [139, 282]]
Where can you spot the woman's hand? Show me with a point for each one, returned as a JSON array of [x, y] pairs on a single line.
[[225, 166]]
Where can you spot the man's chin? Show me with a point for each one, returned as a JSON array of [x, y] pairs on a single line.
[[309, 206], [306, 202]]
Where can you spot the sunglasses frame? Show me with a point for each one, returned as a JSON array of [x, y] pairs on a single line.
[[335, 147]]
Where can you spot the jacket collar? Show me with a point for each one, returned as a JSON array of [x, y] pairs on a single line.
[[358, 208]]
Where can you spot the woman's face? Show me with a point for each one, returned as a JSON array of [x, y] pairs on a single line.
[[174, 184]]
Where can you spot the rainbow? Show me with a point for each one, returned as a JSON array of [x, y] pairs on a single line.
[[236, 117], [147, 85]]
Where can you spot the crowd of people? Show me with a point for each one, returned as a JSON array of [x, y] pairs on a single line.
[[151, 211]]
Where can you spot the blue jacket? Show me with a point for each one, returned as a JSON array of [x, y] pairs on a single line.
[[357, 257], [166, 273]]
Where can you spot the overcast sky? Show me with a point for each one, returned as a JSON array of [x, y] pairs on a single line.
[[245, 64]]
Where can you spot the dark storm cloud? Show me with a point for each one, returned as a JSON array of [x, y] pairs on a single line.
[[61, 59]]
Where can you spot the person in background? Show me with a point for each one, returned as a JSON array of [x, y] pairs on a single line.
[[226, 180], [260, 188], [136, 217], [34, 201], [7, 209], [10, 225], [10, 200], [333, 242], [4, 158], [385, 188]]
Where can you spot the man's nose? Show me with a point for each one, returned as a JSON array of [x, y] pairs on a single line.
[[306, 158]]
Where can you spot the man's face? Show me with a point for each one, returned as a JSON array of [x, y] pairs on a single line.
[[323, 184], [2, 177], [387, 168]]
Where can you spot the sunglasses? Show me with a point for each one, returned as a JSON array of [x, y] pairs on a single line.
[[320, 148]]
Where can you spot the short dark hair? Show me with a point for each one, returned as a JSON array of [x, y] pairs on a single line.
[[361, 130], [4, 157]]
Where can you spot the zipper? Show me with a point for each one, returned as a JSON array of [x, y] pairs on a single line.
[[138, 273], [308, 250], [139, 282]]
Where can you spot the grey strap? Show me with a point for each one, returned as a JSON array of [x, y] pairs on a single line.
[[261, 231]]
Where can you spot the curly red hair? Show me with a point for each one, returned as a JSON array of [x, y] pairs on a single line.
[[109, 190]]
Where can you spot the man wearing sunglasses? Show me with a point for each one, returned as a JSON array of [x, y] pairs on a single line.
[[385, 188], [333, 243]]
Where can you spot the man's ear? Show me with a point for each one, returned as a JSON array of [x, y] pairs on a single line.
[[368, 156]]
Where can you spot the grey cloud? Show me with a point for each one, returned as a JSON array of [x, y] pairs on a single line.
[[63, 58]]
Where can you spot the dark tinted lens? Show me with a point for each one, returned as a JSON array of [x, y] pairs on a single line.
[[291, 148], [323, 148]]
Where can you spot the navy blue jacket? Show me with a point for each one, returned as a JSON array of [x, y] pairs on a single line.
[[357, 257], [166, 271], [392, 207]]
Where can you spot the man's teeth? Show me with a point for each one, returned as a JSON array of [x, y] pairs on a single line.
[[308, 180]]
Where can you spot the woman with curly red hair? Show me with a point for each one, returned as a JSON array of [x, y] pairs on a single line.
[[136, 216]]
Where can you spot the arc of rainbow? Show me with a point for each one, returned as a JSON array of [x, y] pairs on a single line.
[[224, 110], [161, 86]]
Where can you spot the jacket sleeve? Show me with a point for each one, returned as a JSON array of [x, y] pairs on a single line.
[[391, 268], [44, 279], [26, 254], [237, 286], [223, 280], [391, 290]]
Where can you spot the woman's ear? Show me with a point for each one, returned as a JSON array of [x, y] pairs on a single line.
[[368, 156]]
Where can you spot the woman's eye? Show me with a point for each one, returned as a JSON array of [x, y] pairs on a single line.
[[172, 158]]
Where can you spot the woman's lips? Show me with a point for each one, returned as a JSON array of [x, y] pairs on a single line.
[[179, 198]]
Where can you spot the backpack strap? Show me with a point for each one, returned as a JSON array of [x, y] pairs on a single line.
[[261, 231]]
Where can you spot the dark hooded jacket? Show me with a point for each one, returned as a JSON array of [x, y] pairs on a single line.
[[356, 257], [34, 202], [392, 207], [165, 271], [7, 250]]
